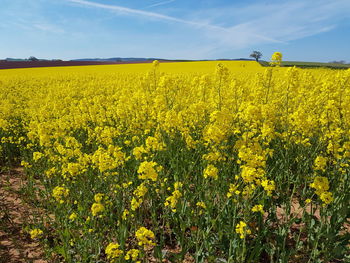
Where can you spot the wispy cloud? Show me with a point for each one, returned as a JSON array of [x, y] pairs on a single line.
[[138, 12], [286, 21], [27, 25], [33, 19], [189, 29], [160, 3], [209, 27], [232, 27]]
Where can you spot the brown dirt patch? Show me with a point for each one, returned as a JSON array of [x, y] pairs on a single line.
[[15, 244]]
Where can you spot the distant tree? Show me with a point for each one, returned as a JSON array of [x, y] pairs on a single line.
[[257, 55], [33, 59]]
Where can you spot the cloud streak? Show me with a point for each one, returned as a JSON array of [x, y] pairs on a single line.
[[160, 3], [233, 27], [208, 27], [153, 15], [285, 21], [190, 29]]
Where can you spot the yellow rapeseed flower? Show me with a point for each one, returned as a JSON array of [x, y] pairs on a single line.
[[60, 193], [97, 208], [242, 229], [145, 237], [211, 171], [98, 197], [73, 216], [112, 251], [132, 254], [35, 233], [258, 208], [149, 170]]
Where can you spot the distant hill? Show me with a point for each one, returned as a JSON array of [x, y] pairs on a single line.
[[304, 64], [118, 59], [130, 59], [26, 59], [15, 59]]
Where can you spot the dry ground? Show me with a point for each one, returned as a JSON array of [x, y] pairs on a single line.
[[16, 246]]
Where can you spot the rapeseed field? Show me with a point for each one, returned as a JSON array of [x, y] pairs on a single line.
[[183, 162]]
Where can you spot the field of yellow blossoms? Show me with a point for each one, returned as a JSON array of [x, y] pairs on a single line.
[[183, 162]]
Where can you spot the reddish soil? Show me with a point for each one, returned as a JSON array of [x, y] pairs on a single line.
[[35, 64], [15, 244]]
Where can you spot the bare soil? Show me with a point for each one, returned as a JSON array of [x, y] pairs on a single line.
[[16, 246]]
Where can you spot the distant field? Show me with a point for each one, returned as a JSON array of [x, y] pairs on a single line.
[[314, 64], [303, 64], [186, 65], [196, 67], [35, 64]]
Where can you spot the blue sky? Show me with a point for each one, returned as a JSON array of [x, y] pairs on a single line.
[[309, 30]]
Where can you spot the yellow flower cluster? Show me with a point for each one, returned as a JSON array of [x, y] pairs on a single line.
[[175, 196], [73, 216], [242, 229], [145, 237], [211, 172], [321, 186], [139, 193], [268, 186], [98, 208], [113, 252], [320, 163], [133, 255], [258, 208], [276, 59], [149, 170], [233, 190], [35, 233], [37, 156], [108, 159], [60, 193], [98, 197], [252, 158]]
